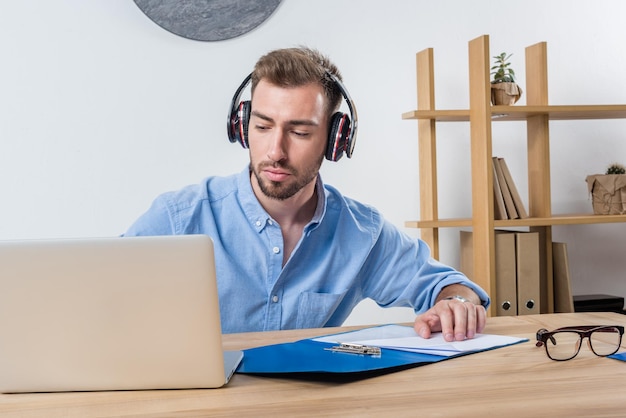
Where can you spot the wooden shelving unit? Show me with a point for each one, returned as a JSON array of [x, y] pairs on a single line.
[[537, 114]]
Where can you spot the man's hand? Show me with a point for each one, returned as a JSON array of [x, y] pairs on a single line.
[[457, 320]]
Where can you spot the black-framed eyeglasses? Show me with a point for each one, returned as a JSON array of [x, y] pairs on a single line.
[[564, 343]]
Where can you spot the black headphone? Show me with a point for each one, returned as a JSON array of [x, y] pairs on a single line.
[[341, 133]]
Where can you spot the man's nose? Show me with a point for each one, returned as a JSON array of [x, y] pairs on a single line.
[[277, 146]]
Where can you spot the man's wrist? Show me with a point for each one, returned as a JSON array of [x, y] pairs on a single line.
[[457, 291], [457, 297]]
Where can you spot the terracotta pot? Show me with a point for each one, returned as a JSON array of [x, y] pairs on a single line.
[[505, 93]]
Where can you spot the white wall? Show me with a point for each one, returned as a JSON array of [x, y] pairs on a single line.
[[101, 110]]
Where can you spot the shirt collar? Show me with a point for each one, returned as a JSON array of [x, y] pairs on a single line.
[[320, 209]]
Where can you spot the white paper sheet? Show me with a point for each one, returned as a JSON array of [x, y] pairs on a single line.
[[398, 337]]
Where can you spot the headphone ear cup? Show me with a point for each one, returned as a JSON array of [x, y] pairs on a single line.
[[240, 123], [338, 134]]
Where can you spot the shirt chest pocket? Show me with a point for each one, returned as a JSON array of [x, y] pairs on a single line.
[[315, 309]]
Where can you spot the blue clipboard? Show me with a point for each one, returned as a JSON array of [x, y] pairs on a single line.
[[309, 358]]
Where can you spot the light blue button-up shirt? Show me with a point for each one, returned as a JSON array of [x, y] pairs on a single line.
[[347, 253]]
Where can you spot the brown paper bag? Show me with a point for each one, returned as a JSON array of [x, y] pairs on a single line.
[[608, 193]]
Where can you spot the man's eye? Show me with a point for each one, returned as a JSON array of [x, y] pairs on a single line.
[[301, 134]]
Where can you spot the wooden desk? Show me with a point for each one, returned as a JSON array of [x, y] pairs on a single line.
[[512, 381]]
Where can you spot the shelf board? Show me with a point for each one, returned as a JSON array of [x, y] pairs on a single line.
[[521, 113], [570, 112], [572, 219], [441, 223], [460, 115]]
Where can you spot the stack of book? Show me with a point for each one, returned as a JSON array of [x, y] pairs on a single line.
[[507, 201]]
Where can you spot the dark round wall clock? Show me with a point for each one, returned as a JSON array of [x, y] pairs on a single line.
[[208, 20]]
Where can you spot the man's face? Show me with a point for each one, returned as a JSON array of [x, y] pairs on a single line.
[[287, 135]]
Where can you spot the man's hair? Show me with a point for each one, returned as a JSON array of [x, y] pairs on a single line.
[[295, 67]]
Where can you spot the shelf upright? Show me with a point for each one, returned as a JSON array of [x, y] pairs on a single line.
[[482, 168], [538, 147], [427, 148]]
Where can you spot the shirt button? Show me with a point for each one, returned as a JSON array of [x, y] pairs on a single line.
[[270, 222], [258, 223], [274, 298], [276, 250]]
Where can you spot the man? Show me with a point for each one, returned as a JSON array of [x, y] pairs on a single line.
[[292, 252]]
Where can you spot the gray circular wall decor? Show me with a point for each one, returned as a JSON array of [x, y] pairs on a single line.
[[208, 20]]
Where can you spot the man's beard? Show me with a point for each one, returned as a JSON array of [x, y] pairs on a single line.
[[281, 190]]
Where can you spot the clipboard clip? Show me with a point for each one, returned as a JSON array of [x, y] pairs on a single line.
[[356, 349]]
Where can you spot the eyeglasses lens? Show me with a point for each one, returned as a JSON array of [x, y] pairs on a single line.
[[563, 345], [605, 341]]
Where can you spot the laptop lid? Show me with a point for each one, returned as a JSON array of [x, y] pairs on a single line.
[[110, 314]]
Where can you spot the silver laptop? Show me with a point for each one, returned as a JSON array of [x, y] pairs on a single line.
[[110, 314]]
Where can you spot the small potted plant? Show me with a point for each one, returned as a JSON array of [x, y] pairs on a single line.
[[504, 89], [615, 168], [608, 190]]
